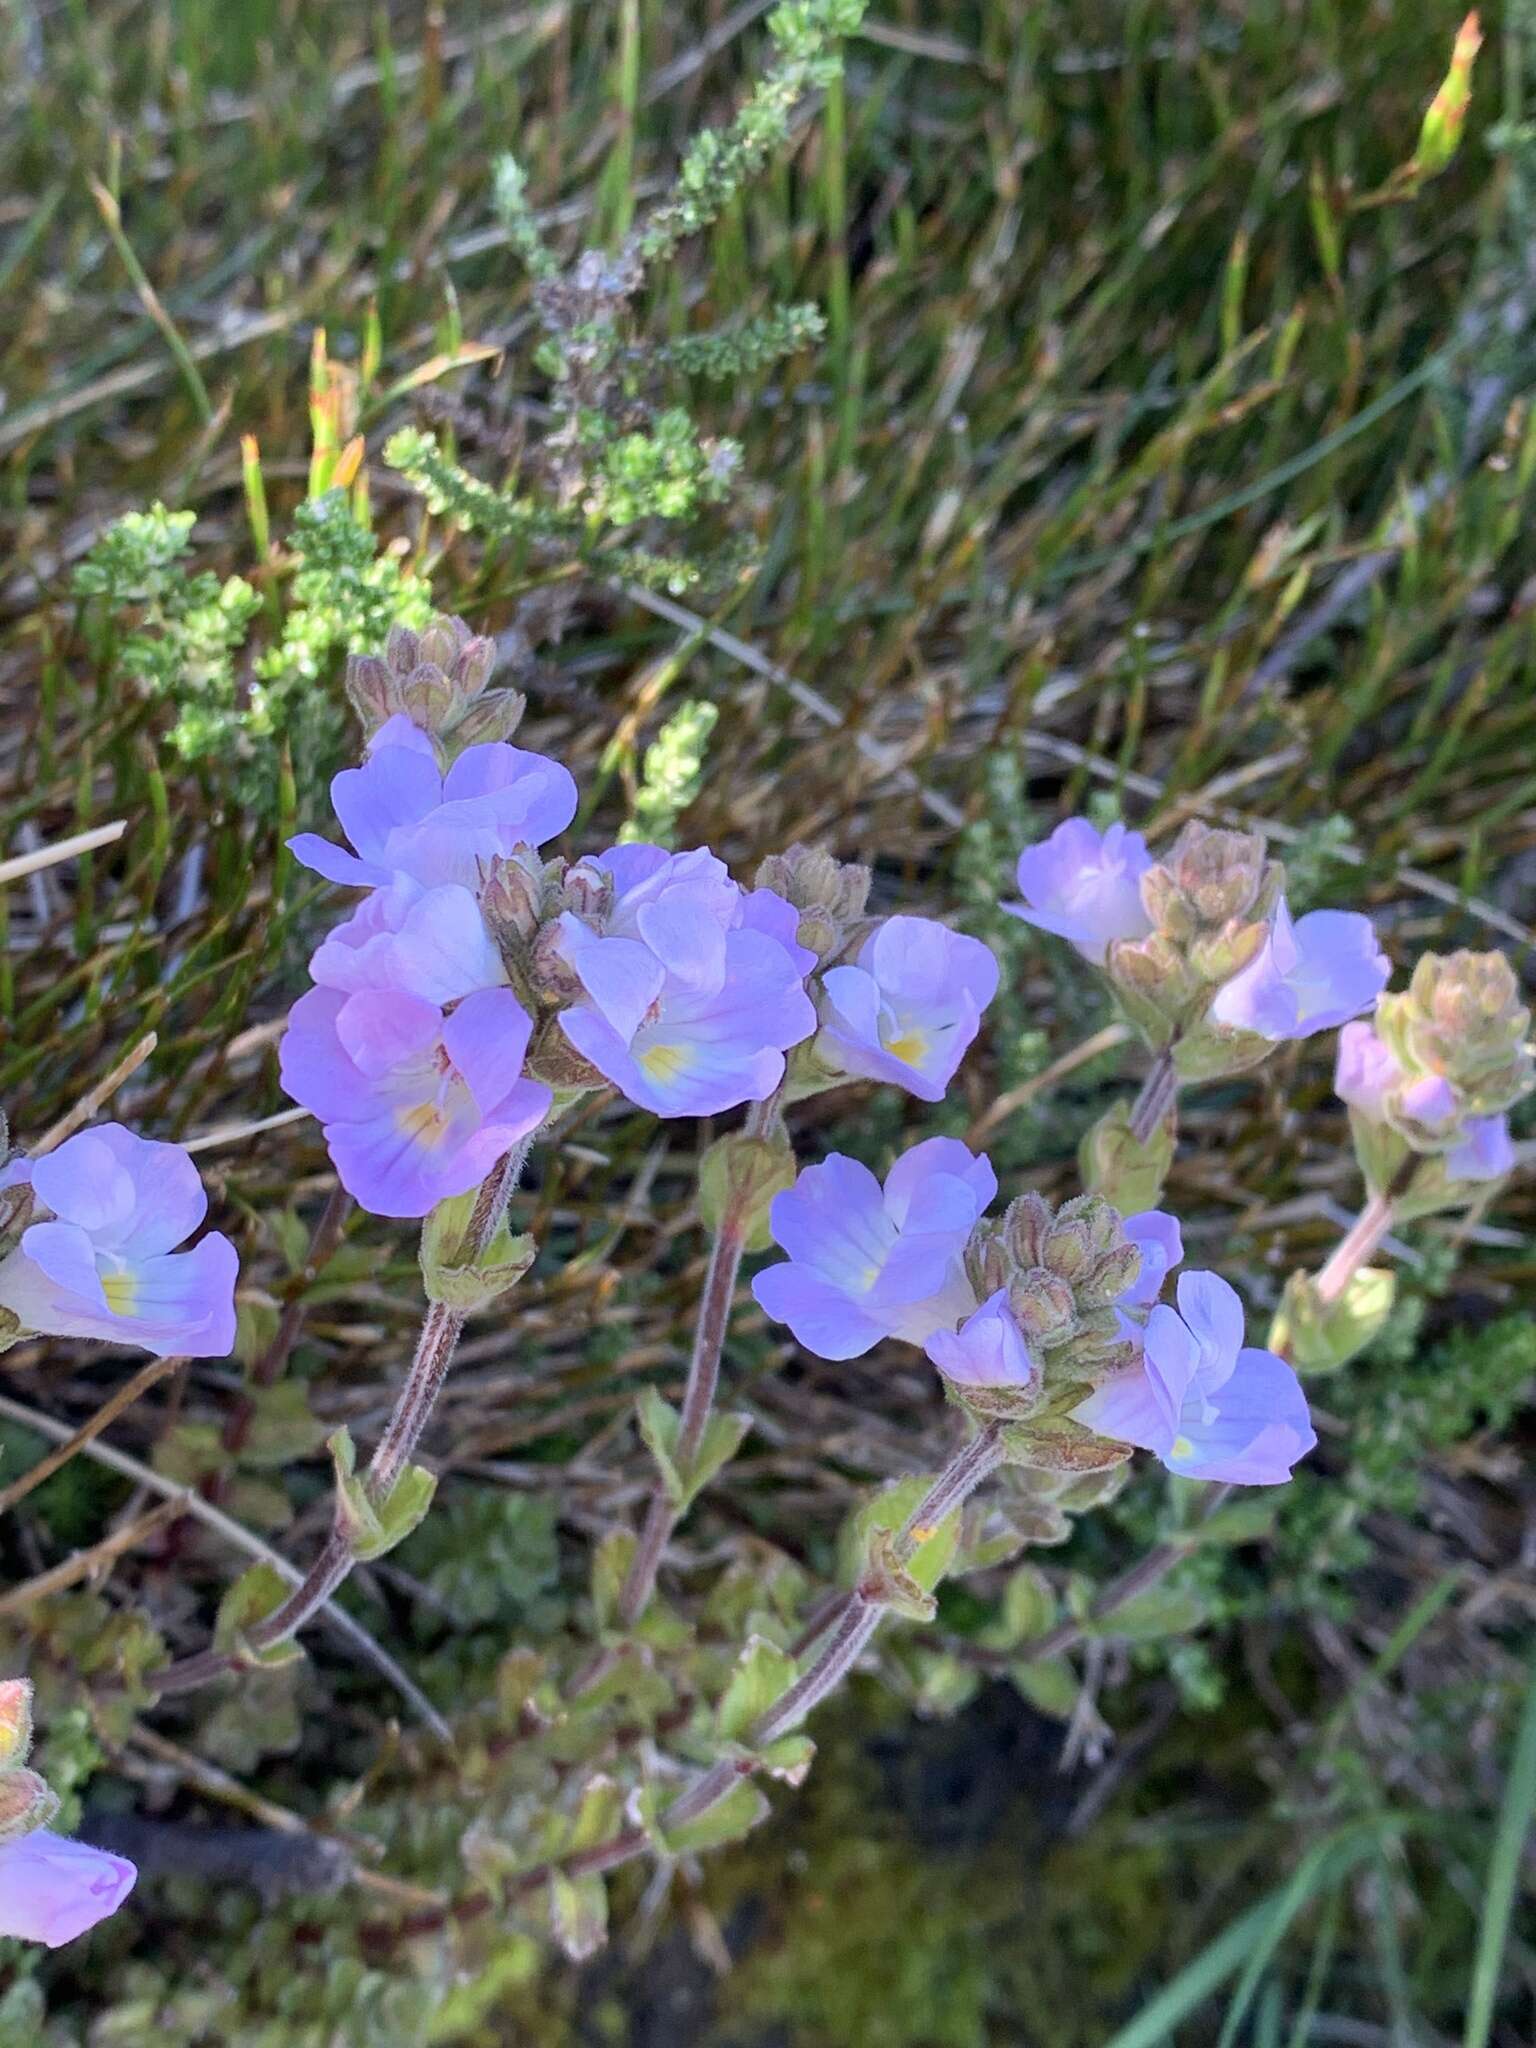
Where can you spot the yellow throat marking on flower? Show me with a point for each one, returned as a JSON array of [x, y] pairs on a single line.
[[1181, 1447], [122, 1292], [664, 1062], [908, 1046], [422, 1121]]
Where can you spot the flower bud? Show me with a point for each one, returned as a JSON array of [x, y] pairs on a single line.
[[1461, 1018], [15, 1722], [1026, 1226], [514, 896], [987, 1262], [1044, 1308], [1207, 879], [26, 1802], [1087, 1246], [492, 717], [554, 979], [588, 891], [433, 678], [1219, 955], [830, 895]]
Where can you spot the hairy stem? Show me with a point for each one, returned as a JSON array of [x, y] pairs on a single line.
[[1354, 1248], [860, 1615], [440, 1331], [1156, 1097], [703, 1383]]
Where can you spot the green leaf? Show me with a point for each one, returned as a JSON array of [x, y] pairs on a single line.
[[1160, 1611], [885, 1579], [722, 1439], [888, 1510], [1029, 1609], [1245, 1520], [598, 1816], [403, 1508], [253, 1598], [789, 1758], [282, 1429], [1049, 1684], [375, 1527], [474, 1283], [578, 1914], [737, 1814], [611, 1560], [659, 1426], [763, 1674]]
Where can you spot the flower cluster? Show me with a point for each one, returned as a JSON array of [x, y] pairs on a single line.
[[1047, 1321], [1439, 1069], [51, 1887], [479, 976], [1201, 947], [103, 1261]]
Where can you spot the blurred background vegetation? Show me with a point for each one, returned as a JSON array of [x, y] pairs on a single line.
[[1151, 458]]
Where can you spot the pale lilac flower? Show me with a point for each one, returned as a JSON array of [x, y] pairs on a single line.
[[1429, 1101], [908, 1007], [691, 989], [1366, 1071], [1484, 1151], [1158, 1238], [53, 1888], [866, 1262], [416, 1106], [431, 943], [988, 1350], [1312, 973], [106, 1264], [1085, 886], [404, 816], [1207, 1405]]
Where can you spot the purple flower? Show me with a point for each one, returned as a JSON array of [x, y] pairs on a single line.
[[404, 816], [53, 1888], [1209, 1407], [691, 989], [1085, 886], [416, 1105], [1311, 974], [106, 1266], [1366, 1071], [908, 1007], [866, 1262], [422, 942], [1484, 1151], [1157, 1236], [988, 1350]]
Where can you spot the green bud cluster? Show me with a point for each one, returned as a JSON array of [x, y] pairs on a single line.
[[1063, 1271], [829, 894], [26, 1800], [436, 677], [1210, 900], [1461, 1018]]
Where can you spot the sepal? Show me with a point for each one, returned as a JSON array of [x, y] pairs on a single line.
[[1318, 1336], [739, 1177], [1116, 1164]]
